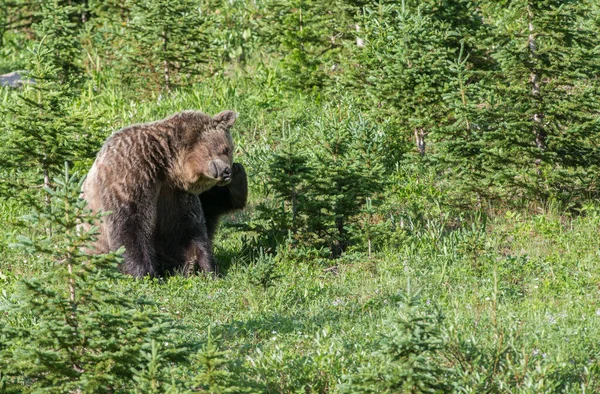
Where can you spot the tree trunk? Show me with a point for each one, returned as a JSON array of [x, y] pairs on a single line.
[[360, 42], [340, 243], [46, 181], [420, 141], [536, 81], [166, 62], [294, 211]]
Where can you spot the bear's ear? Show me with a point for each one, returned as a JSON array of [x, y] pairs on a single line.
[[226, 118]]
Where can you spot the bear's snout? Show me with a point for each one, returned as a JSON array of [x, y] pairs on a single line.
[[220, 170]]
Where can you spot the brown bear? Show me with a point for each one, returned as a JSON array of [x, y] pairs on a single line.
[[166, 184]]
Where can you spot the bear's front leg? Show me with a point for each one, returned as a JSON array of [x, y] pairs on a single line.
[[221, 200], [194, 240], [132, 225], [238, 187], [199, 256]]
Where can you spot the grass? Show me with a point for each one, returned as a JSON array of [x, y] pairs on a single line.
[[522, 288], [314, 326], [519, 290]]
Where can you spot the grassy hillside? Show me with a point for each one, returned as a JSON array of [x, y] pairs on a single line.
[[469, 266]]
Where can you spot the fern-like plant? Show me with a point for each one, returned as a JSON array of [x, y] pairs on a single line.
[[76, 332], [408, 359]]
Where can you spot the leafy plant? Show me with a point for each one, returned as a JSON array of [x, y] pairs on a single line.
[[263, 272], [320, 189], [42, 127], [77, 332], [171, 39], [310, 36], [58, 27], [214, 377], [408, 359]]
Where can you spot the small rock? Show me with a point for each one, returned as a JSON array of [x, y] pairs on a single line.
[[15, 79]]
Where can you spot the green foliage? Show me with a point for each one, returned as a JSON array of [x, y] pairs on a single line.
[[320, 188], [406, 361], [290, 172], [213, 376], [545, 97], [58, 29], [263, 272], [77, 333], [373, 227], [171, 39], [310, 35], [402, 66], [495, 107], [154, 378], [3, 22], [478, 155], [235, 35], [492, 215], [42, 129]]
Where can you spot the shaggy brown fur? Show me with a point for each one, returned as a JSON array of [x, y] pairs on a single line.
[[149, 177]]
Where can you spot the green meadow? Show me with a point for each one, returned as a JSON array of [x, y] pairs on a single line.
[[423, 210]]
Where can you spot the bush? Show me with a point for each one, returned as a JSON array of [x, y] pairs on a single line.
[[75, 332], [320, 186], [408, 359]]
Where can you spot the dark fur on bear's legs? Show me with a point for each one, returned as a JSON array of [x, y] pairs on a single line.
[[181, 237], [221, 200], [204, 213], [128, 230]]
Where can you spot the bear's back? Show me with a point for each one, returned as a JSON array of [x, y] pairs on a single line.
[[140, 152]]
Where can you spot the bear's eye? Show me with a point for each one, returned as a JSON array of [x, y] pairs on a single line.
[[226, 151]]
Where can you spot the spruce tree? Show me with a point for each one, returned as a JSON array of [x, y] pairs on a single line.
[[407, 359], [58, 26], [320, 185], [289, 174], [157, 376], [77, 333], [310, 37], [466, 147], [402, 65], [347, 170], [171, 39], [213, 375], [544, 96], [42, 129]]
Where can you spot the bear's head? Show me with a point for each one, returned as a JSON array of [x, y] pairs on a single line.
[[207, 156]]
